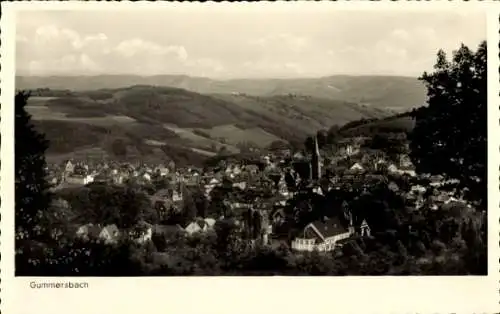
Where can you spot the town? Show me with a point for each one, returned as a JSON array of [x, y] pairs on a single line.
[[262, 197]]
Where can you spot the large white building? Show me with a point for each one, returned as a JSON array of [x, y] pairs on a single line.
[[324, 235]]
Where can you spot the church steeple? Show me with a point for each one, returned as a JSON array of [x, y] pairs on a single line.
[[315, 161]]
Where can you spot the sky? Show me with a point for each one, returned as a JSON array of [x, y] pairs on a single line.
[[224, 42]]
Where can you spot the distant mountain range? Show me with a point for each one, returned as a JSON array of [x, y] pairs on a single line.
[[385, 92], [145, 122]]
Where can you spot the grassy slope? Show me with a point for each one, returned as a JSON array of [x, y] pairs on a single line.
[[144, 117], [399, 93], [399, 123]]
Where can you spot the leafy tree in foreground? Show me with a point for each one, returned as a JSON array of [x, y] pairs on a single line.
[[450, 134], [32, 189]]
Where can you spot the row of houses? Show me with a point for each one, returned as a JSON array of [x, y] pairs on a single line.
[[141, 233]]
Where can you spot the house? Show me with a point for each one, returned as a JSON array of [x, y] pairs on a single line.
[[298, 156], [163, 207], [146, 176], [318, 190], [200, 225], [110, 234], [210, 222], [88, 231], [118, 178], [436, 181], [392, 168], [364, 229], [53, 180], [393, 186], [69, 167], [241, 185], [162, 170], [177, 194], [79, 179], [141, 233], [379, 164], [405, 162], [278, 216], [322, 235], [81, 169], [418, 189], [252, 169], [408, 172], [357, 167], [282, 187], [211, 185], [347, 148]]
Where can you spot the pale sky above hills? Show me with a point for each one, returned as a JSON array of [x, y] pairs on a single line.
[[224, 42]]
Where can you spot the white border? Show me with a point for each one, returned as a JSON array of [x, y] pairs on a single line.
[[252, 294]]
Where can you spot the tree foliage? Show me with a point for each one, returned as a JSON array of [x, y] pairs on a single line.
[[32, 194], [450, 133]]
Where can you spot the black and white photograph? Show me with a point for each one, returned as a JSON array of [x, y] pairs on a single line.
[[189, 141]]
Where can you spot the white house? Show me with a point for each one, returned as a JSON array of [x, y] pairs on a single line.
[[392, 168], [200, 225], [242, 185], [88, 231], [69, 167], [196, 226], [318, 190], [210, 222], [80, 179], [177, 195], [357, 167], [324, 235], [146, 176], [110, 233]]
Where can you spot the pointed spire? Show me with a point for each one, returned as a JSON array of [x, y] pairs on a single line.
[[316, 145], [315, 161]]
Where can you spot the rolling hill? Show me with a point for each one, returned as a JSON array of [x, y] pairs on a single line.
[[393, 92], [149, 122]]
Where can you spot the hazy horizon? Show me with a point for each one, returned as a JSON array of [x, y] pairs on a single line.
[[228, 43], [223, 79]]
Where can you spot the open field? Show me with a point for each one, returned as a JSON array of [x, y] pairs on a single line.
[[137, 121]]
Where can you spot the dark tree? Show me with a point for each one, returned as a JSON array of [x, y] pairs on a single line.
[[278, 145], [201, 203], [322, 137], [450, 133], [119, 148], [309, 144], [189, 207], [393, 144], [32, 194], [333, 134]]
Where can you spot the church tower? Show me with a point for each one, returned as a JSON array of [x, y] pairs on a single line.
[[315, 161]]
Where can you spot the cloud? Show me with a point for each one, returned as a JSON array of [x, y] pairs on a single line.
[[53, 50], [59, 50], [323, 44], [138, 47], [68, 64]]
